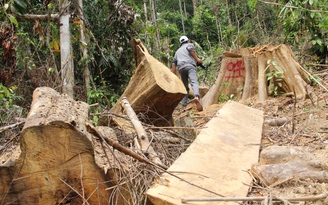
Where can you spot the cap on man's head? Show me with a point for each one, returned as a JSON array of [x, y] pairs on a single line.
[[183, 39]]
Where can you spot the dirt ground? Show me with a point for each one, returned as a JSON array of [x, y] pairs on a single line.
[[306, 127]]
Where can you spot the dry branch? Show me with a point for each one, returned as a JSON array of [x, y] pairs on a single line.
[[305, 198], [276, 122], [146, 148], [10, 126], [119, 147]]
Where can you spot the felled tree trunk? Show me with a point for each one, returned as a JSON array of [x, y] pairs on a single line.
[[56, 164], [245, 73], [153, 90]]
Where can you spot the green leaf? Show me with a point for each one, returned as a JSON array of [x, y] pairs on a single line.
[[50, 6], [6, 7], [20, 3], [312, 15], [51, 70], [13, 20]]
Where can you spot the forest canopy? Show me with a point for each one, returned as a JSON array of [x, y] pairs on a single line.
[[99, 59]]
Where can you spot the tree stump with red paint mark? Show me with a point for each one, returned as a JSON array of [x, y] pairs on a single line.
[[260, 72]]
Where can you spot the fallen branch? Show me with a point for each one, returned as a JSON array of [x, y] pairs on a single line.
[[311, 76], [146, 148], [178, 128], [10, 126], [127, 151], [276, 122], [119, 147], [305, 198]]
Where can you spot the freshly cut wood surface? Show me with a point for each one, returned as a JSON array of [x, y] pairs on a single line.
[[56, 163], [153, 89], [216, 162]]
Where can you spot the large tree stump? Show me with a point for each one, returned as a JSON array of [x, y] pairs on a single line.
[[153, 90], [244, 74], [56, 164]]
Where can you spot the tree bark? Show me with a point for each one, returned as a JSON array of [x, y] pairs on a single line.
[[250, 80], [182, 18], [146, 147], [153, 91], [145, 10], [244, 74], [66, 61], [157, 39], [228, 83], [57, 162], [41, 17], [83, 48]]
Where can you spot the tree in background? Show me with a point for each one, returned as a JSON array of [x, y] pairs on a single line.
[[101, 31]]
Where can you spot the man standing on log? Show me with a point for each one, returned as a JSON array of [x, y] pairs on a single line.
[[186, 60]]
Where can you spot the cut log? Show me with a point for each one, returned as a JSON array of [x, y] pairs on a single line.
[[153, 90], [56, 164], [216, 160], [245, 73]]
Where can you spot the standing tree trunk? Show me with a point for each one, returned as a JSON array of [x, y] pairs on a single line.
[[228, 12], [157, 39], [145, 10], [67, 69], [182, 18], [84, 41], [194, 5]]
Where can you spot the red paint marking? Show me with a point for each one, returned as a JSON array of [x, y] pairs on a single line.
[[236, 69]]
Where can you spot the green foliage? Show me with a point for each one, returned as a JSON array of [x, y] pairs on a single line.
[[204, 27], [275, 76], [8, 96], [8, 100], [100, 96], [314, 79], [96, 96], [110, 53], [252, 5], [306, 20], [224, 98]]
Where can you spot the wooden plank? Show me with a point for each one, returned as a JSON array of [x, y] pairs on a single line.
[[217, 160]]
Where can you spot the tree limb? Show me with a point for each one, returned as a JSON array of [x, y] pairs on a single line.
[[119, 147], [10, 126], [305, 198], [41, 17], [142, 134]]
